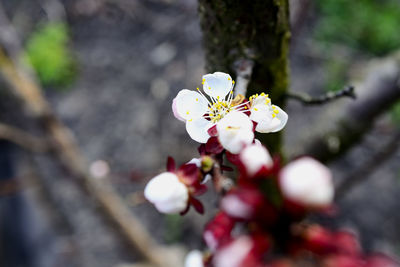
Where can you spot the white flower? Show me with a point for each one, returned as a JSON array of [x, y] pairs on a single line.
[[270, 118], [191, 106], [235, 131], [201, 111], [307, 182], [194, 259], [167, 193], [254, 157]]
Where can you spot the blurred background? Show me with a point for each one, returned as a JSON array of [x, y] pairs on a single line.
[[110, 70]]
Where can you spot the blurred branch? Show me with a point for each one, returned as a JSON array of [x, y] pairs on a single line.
[[243, 69], [366, 169], [306, 99], [341, 126], [23, 85], [23, 139], [222, 184]]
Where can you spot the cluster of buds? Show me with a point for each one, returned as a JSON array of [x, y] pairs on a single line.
[[261, 218]]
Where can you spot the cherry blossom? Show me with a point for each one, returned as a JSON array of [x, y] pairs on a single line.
[[203, 110], [200, 110], [269, 118]]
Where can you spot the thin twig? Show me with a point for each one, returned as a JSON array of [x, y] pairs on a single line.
[[341, 126], [362, 173], [222, 183], [306, 99], [243, 69], [23, 139]]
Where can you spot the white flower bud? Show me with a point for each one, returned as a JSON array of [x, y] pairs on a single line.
[[194, 259], [307, 182], [167, 193], [254, 157]]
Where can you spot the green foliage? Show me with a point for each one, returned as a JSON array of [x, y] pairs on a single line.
[[395, 113], [336, 75], [48, 53], [174, 227], [368, 25]]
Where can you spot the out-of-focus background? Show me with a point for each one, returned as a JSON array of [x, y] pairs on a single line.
[[110, 70]]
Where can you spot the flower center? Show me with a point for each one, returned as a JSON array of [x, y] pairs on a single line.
[[219, 109]]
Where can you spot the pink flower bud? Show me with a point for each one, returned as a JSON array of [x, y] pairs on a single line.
[[218, 231], [243, 203]]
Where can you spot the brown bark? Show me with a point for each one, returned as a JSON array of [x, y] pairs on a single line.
[[257, 30]]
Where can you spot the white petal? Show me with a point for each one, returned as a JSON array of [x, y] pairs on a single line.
[[235, 131], [254, 157], [194, 259], [175, 110], [197, 129], [189, 105], [307, 182], [167, 193], [218, 84], [270, 125], [196, 161], [260, 112], [282, 116]]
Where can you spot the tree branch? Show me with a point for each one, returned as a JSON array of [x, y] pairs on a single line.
[[243, 69], [23, 139], [306, 99], [341, 126]]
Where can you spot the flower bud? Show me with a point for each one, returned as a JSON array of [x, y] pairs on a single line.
[[307, 182], [242, 251], [194, 259], [254, 158], [218, 231], [243, 203], [167, 193]]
